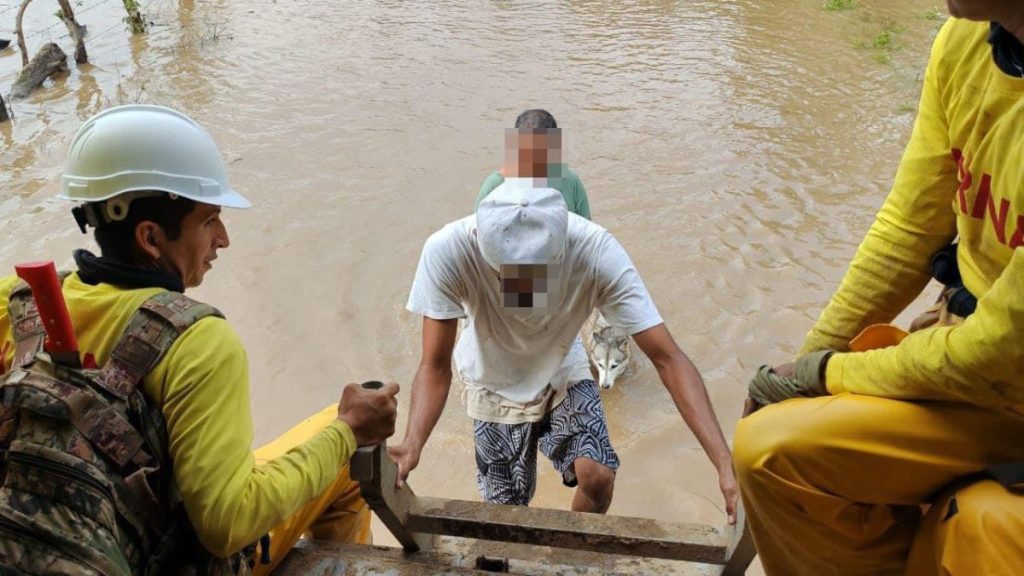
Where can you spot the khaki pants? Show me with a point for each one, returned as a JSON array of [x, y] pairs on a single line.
[[859, 485], [340, 514]]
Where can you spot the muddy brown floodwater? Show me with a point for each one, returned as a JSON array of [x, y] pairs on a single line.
[[738, 149]]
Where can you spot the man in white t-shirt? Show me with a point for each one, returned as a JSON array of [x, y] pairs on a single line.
[[525, 274]]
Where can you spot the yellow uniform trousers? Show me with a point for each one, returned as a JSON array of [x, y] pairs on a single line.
[[340, 514], [838, 485]]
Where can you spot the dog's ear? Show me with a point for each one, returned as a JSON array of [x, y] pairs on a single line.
[[598, 339], [624, 345]]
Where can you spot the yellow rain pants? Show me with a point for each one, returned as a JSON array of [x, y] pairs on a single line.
[[835, 485], [340, 514]]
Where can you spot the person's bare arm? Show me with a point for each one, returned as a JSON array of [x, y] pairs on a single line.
[[685, 386], [429, 393]]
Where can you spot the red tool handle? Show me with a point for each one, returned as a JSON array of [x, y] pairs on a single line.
[[60, 334]]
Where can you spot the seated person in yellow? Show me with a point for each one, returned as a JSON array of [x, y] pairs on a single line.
[[153, 183], [886, 453], [560, 177]]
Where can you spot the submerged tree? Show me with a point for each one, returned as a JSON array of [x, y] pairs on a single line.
[[134, 19], [76, 31], [67, 15], [21, 34], [49, 61]]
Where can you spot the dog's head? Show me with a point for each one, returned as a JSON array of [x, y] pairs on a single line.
[[611, 356]]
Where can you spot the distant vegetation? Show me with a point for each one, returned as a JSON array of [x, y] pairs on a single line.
[[882, 41], [885, 39], [836, 5]]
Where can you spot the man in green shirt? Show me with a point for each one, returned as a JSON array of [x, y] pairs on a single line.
[[560, 177]]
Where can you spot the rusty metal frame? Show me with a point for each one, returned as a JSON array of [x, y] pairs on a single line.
[[445, 536]]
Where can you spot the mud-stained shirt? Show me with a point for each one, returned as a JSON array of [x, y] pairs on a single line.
[[960, 178], [515, 362]]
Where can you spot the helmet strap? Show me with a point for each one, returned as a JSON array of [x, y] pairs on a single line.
[[85, 215], [111, 210]]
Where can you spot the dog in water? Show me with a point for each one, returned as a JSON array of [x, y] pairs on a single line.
[[609, 352]]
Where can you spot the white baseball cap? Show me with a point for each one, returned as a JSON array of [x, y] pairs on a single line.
[[520, 224]]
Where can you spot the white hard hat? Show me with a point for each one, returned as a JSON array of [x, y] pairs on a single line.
[[146, 148]]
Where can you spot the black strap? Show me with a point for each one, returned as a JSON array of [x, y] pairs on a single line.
[[946, 270], [1009, 474], [1007, 51]]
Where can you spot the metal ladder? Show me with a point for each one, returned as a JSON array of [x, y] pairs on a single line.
[[442, 536]]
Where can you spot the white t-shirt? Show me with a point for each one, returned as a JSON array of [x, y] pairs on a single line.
[[516, 360]]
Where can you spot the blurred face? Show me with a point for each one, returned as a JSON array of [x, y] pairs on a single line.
[[528, 153], [192, 254], [525, 286]]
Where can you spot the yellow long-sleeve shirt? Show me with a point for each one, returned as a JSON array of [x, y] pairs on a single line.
[[202, 388], [960, 175]]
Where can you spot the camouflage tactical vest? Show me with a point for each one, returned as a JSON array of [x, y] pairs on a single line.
[[85, 478]]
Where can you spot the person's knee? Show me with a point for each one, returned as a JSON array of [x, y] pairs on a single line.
[[769, 437], [978, 532], [596, 481], [752, 447], [977, 511]]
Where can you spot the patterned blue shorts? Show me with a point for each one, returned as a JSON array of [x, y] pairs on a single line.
[[506, 454]]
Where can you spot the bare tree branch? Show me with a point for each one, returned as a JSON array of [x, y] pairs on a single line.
[[21, 34], [77, 31]]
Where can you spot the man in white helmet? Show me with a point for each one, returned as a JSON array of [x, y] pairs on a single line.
[[152, 183]]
